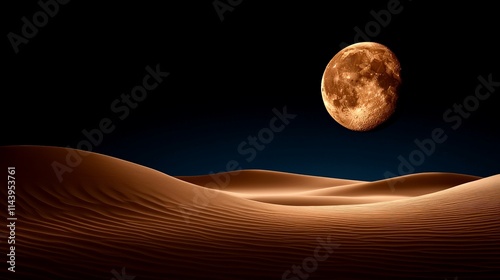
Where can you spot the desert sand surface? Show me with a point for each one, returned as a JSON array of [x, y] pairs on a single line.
[[296, 189], [113, 219]]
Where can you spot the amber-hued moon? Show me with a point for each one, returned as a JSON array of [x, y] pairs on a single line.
[[360, 85]]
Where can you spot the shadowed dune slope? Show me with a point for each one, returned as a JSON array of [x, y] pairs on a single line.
[[108, 214]]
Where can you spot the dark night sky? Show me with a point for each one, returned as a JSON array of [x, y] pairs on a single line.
[[226, 78]]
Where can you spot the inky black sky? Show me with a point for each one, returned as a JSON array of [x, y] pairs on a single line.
[[226, 77]]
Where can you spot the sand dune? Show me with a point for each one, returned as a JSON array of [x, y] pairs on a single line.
[[108, 214], [265, 181], [294, 189]]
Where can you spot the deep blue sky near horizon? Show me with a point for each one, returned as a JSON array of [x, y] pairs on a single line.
[[227, 77]]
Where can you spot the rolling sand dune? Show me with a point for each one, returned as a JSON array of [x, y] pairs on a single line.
[[294, 189], [108, 214]]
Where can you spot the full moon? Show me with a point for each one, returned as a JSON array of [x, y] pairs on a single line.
[[360, 85]]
